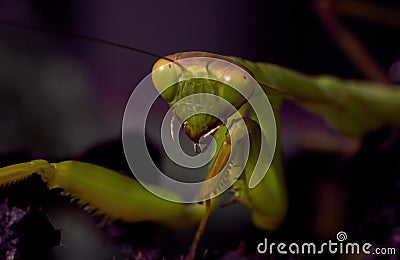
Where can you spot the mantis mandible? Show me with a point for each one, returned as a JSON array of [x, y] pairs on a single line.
[[353, 107]]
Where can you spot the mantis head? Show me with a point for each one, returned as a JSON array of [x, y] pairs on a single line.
[[203, 89]]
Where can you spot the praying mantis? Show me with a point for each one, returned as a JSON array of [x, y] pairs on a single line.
[[353, 107]]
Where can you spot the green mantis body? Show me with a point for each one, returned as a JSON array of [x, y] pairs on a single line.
[[353, 107]]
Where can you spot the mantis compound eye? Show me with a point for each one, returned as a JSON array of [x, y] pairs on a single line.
[[233, 75], [165, 75]]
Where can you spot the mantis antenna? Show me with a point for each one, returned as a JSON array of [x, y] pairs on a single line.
[[110, 43], [80, 36]]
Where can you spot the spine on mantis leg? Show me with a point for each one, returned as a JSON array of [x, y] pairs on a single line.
[[108, 192], [354, 107]]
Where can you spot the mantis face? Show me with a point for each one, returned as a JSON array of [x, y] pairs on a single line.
[[200, 72]]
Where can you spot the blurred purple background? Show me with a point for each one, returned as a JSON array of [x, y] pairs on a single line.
[[60, 97]]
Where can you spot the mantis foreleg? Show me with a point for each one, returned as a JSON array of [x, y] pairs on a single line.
[[105, 191]]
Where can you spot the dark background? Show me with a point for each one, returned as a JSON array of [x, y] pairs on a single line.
[[63, 98]]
